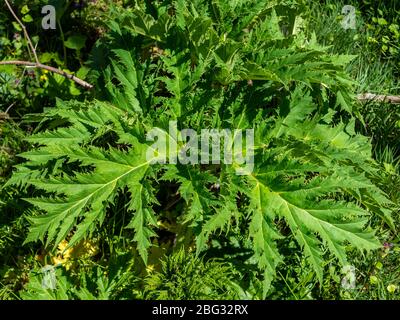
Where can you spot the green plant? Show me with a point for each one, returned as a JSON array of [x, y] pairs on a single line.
[[97, 283], [29, 89], [212, 66], [183, 276], [383, 27]]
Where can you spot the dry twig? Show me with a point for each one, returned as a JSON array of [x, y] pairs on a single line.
[[378, 98]]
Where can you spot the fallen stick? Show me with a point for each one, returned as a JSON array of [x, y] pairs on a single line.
[[378, 97]]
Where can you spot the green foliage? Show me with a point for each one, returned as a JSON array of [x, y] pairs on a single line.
[[372, 70], [29, 89], [383, 27], [315, 200], [312, 174], [98, 283], [183, 276]]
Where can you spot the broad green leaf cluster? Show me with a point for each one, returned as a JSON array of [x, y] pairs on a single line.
[[210, 65]]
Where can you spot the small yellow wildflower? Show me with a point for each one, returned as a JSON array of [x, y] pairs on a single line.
[[43, 78], [391, 288], [85, 249], [62, 245], [58, 260], [373, 280], [63, 255], [67, 256], [150, 268], [91, 249], [66, 253]]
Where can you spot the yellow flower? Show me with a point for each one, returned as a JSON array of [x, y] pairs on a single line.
[[62, 245], [66, 253], [67, 256], [150, 268], [63, 255], [86, 249], [59, 260], [43, 78], [91, 248], [391, 288], [373, 280]]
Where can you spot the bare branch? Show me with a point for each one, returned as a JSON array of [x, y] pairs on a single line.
[[24, 29], [379, 98], [9, 107], [51, 69]]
